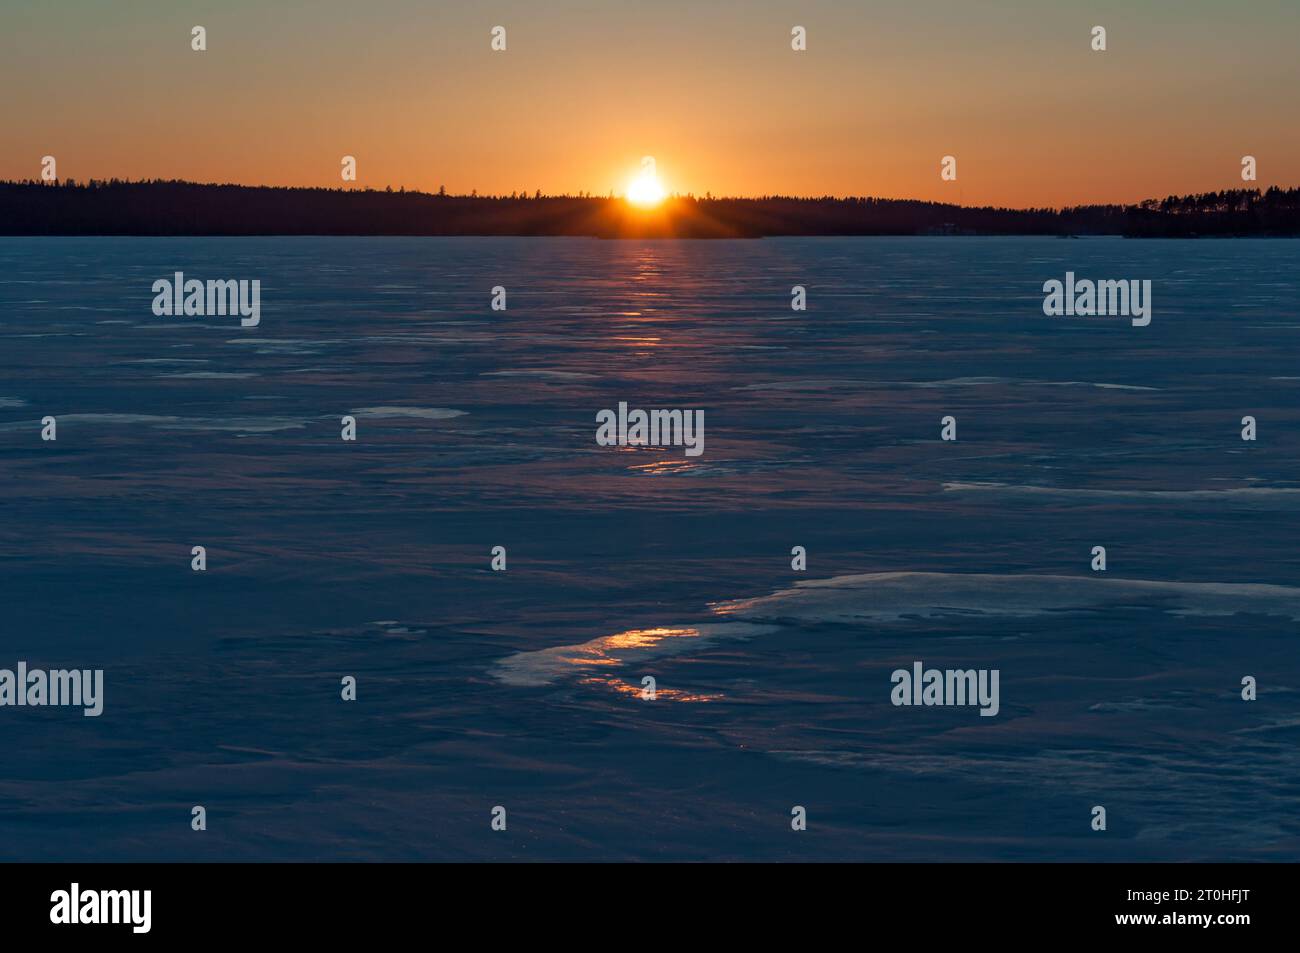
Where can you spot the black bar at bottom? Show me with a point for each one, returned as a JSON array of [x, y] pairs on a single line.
[[335, 902]]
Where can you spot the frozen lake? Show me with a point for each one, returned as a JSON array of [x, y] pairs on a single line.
[[476, 428]]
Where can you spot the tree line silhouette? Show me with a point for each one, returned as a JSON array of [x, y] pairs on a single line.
[[166, 207]]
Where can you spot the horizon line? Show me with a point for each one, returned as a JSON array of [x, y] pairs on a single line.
[[708, 196]]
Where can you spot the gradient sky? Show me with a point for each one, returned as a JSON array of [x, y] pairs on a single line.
[[711, 89]]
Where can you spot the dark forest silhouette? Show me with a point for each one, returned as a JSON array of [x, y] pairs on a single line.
[[184, 208]]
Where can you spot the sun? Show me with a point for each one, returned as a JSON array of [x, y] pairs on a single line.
[[646, 190]]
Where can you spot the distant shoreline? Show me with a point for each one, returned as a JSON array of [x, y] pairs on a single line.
[[171, 208]]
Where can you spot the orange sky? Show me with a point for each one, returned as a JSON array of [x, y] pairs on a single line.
[[711, 89]]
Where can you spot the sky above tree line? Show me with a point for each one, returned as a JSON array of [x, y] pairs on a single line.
[[1012, 89]]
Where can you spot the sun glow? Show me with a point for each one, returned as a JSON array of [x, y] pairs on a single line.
[[646, 190]]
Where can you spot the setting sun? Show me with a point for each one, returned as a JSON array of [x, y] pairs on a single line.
[[646, 190]]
